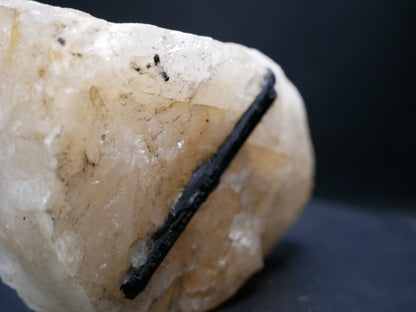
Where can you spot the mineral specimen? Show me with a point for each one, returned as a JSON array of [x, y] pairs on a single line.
[[101, 127]]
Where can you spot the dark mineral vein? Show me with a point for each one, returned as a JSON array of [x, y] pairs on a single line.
[[204, 180]]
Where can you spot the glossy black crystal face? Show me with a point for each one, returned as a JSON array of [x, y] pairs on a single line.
[[204, 180]]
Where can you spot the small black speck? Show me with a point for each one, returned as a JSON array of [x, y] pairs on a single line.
[[137, 69], [148, 65], [165, 76], [24, 218], [61, 40], [207, 120], [156, 58]]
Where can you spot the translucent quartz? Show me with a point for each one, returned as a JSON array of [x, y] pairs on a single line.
[[96, 144]]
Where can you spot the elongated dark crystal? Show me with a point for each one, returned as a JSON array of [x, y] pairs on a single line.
[[204, 180]]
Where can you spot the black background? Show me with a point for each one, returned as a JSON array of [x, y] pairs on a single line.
[[353, 62]]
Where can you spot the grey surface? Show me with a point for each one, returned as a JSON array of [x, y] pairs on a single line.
[[338, 257]]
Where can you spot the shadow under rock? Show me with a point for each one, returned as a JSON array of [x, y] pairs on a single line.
[[278, 260], [10, 301]]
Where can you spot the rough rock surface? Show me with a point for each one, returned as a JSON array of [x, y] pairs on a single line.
[[97, 138]]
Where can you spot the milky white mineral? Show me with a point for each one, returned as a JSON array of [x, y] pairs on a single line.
[[101, 128]]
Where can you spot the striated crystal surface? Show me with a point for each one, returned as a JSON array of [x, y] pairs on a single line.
[[101, 127]]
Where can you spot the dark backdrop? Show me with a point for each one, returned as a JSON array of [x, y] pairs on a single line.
[[353, 61]]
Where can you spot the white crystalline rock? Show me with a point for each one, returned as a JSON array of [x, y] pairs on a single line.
[[96, 145]]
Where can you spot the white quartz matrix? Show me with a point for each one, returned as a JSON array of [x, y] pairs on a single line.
[[97, 141]]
